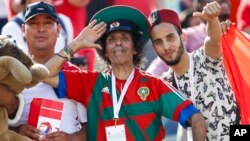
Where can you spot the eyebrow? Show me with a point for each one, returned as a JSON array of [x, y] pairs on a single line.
[[168, 35]]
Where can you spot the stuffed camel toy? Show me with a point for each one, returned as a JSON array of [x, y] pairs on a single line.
[[17, 71]]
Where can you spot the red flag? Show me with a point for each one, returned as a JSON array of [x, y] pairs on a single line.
[[236, 56]]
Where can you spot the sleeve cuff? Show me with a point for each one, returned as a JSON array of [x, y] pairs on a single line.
[[19, 110], [186, 114], [61, 89]]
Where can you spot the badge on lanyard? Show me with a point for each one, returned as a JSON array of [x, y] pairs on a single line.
[[115, 133]]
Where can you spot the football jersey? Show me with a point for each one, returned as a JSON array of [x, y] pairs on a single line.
[[146, 100]]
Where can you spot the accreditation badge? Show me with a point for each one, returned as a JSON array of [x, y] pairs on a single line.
[[116, 133]]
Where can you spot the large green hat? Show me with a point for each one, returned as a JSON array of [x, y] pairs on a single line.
[[126, 18]]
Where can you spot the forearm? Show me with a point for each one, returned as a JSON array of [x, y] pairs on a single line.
[[199, 127], [213, 41], [214, 31], [210, 14], [86, 38], [54, 66]]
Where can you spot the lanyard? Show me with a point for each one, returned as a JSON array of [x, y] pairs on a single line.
[[117, 104], [191, 79]]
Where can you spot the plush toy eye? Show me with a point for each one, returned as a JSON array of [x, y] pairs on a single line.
[[9, 36]]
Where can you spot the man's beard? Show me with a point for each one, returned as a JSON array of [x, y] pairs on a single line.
[[178, 57]]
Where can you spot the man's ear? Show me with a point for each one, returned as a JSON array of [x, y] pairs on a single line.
[[59, 27], [23, 30], [183, 37]]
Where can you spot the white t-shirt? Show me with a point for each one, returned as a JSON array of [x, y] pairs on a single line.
[[73, 113], [13, 29]]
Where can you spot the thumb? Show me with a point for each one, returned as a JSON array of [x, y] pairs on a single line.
[[201, 15], [97, 46], [197, 14]]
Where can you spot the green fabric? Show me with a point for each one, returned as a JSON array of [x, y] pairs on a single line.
[[135, 130], [154, 128], [160, 107], [94, 104], [139, 109], [166, 102], [132, 110]]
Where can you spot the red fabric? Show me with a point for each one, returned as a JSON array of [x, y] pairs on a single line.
[[180, 108], [165, 15], [87, 88], [69, 66], [77, 15], [243, 18], [11, 12], [233, 9], [236, 49]]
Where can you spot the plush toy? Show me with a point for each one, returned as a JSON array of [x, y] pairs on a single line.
[[17, 71]]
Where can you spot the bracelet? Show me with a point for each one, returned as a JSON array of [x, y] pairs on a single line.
[[61, 56], [68, 52]]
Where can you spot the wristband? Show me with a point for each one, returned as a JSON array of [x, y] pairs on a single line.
[[61, 56], [68, 52]]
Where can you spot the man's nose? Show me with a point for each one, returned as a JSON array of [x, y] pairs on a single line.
[[166, 45], [41, 27], [118, 41]]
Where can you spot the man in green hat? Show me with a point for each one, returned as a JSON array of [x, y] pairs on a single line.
[[123, 103]]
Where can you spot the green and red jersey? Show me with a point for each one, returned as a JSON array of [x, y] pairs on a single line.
[[146, 100]]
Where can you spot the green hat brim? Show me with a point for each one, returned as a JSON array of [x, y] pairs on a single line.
[[122, 12]]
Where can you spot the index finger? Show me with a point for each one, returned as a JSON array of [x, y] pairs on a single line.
[[92, 23], [100, 26], [33, 129], [53, 134]]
